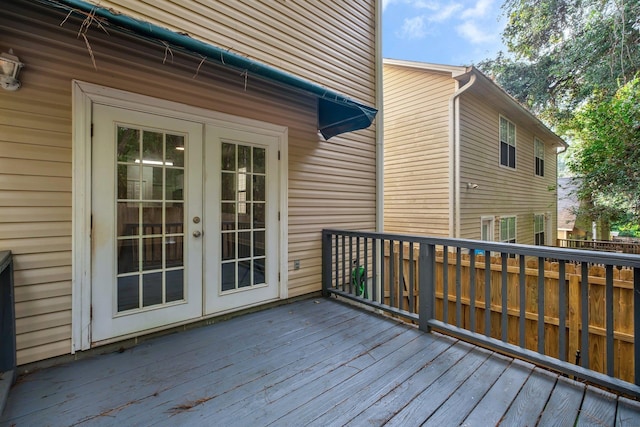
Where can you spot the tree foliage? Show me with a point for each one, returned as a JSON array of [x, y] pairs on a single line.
[[607, 159], [564, 50]]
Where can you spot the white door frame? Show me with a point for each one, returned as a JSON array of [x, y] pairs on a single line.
[[84, 95]]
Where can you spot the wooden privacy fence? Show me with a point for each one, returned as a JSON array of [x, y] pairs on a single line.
[[459, 278]]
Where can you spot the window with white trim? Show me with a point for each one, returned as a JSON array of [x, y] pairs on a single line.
[[539, 229], [507, 143], [508, 229], [539, 156]]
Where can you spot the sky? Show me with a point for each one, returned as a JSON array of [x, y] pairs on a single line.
[[450, 32]]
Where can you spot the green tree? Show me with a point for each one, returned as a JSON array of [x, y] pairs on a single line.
[[607, 155], [564, 50]]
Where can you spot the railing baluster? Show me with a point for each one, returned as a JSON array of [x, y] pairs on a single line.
[[541, 324], [392, 272], [458, 288], [366, 268], [609, 316], [523, 294], [344, 260], [374, 280], [350, 268], [472, 290], [504, 319], [445, 284], [487, 293], [584, 315], [412, 279], [383, 270], [562, 310], [401, 275], [503, 289]]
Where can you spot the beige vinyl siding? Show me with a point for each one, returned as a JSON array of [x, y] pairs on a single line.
[[416, 151], [501, 191], [331, 184], [325, 41]]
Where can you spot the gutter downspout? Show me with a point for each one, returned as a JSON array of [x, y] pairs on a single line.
[[454, 161], [379, 121]]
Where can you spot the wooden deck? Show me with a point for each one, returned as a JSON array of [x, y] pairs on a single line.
[[314, 362]]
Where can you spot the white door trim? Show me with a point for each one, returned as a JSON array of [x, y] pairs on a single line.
[[84, 95]]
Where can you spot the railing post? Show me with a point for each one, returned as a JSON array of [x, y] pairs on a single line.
[[427, 285], [326, 262]]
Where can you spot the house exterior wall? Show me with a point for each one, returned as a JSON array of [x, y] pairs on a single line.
[[416, 151], [502, 191], [418, 154], [330, 184]]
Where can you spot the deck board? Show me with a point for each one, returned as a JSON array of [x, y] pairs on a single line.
[[313, 362]]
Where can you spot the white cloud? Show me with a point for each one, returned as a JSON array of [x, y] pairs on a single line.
[[479, 10], [413, 28], [443, 13], [472, 32]]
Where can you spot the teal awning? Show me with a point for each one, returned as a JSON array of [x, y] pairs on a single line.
[[336, 113]]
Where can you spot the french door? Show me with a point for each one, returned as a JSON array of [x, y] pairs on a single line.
[[184, 221]]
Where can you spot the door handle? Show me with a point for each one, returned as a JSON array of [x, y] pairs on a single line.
[[197, 233]]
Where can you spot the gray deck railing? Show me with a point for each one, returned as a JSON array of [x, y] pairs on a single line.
[[574, 311]]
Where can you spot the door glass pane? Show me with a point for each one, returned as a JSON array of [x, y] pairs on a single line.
[[228, 276], [175, 150], [150, 219], [259, 163], [128, 293], [228, 186], [151, 253], [151, 289], [175, 289], [128, 181], [173, 251], [175, 184], [259, 188], [128, 144], [128, 258], [152, 153], [228, 246], [243, 209], [228, 157], [128, 218], [228, 216], [244, 273], [244, 158]]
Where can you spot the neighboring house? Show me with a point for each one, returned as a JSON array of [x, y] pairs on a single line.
[[571, 225], [463, 159], [162, 162]]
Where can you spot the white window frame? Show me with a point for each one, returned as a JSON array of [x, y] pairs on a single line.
[[538, 156], [509, 238], [491, 226], [509, 140], [542, 229]]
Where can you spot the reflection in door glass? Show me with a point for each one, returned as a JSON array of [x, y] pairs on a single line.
[[150, 218], [243, 215]]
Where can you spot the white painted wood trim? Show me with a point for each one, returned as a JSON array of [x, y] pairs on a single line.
[[81, 220], [284, 214]]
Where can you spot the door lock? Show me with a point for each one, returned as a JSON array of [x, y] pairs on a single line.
[[197, 233], [196, 219]]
